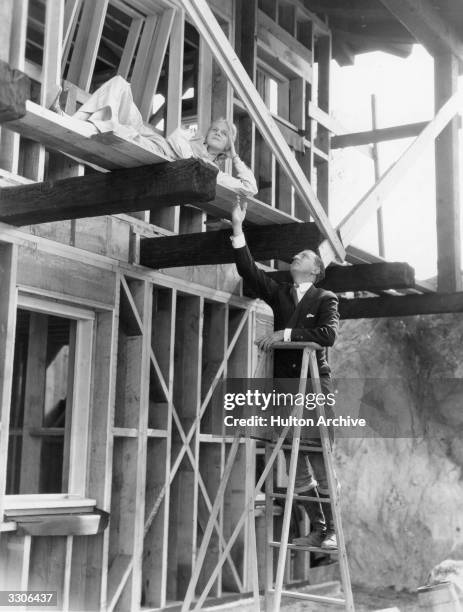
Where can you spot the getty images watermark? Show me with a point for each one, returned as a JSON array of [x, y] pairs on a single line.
[[362, 407], [256, 399]]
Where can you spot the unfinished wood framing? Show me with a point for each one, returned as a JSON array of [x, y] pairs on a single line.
[[143, 436]]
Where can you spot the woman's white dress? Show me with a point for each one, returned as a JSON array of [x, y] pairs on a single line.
[[111, 108]]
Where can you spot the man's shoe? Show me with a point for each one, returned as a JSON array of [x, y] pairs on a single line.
[[314, 538], [329, 542], [309, 486]]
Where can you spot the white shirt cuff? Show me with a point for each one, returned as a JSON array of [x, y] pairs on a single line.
[[287, 334], [238, 241]]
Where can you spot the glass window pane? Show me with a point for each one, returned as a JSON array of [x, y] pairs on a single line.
[[41, 396]]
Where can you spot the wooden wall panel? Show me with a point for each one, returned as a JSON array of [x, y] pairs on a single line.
[[65, 276]]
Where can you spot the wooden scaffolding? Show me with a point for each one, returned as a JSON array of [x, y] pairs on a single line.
[[119, 315]]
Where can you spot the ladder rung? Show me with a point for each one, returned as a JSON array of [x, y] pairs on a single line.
[[312, 597], [326, 551], [306, 447], [325, 500]]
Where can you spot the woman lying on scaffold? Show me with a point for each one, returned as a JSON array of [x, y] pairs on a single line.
[[111, 108]]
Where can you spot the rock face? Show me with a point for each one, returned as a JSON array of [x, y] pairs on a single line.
[[403, 497]]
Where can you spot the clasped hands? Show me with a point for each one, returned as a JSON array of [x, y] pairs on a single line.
[[266, 342]]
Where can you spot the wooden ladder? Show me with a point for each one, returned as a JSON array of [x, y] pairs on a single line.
[[274, 592]]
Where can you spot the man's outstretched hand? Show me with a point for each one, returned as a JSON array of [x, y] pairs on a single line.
[[267, 342], [238, 215]]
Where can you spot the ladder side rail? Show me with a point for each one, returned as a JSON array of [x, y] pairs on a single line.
[[291, 484], [243, 517], [332, 487], [268, 578]]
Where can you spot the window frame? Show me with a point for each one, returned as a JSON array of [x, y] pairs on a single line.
[[80, 409]]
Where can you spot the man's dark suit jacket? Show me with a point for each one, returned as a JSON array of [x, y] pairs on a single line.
[[322, 327]]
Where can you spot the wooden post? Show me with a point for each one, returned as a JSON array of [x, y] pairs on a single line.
[[447, 180], [187, 397], [101, 448], [34, 396], [323, 139], [159, 450], [87, 42], [245, 44], [13, 52], [379, 212], [156, 53], [169, 217], [8, 265]]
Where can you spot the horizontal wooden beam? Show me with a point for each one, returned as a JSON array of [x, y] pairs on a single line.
[[324, 118], [203, 248], [15, 89], [127, 190], [401, 306], [362, 277], [396, 132], [425, 23], [355, 255]]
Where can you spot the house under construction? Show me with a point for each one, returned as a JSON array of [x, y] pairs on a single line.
[[121, 310]]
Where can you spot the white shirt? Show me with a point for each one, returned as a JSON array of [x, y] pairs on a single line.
[[238, 242]]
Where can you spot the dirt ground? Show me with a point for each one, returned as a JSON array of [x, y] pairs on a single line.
[[366, 600]]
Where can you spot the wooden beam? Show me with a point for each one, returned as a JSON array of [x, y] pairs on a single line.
[[354, 255], [52, 52], [374, 198], [361, 277], [207, 26], [447, 169], [126, 190], [13, 49], [268, 242], [324, 118], [287, 52], [14, 91], [87, 43], [246, 48], [139, 70], [34, 397], [156, 55], [8, 270], [395, 132], [170, 217], [401, 306], [425, 23]]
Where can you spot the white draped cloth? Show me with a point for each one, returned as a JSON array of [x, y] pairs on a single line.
[[111, 108]]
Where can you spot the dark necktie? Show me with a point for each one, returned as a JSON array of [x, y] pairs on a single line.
[[293, 293]]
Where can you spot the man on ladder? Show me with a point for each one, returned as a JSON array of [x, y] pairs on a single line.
[[302, 313]]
